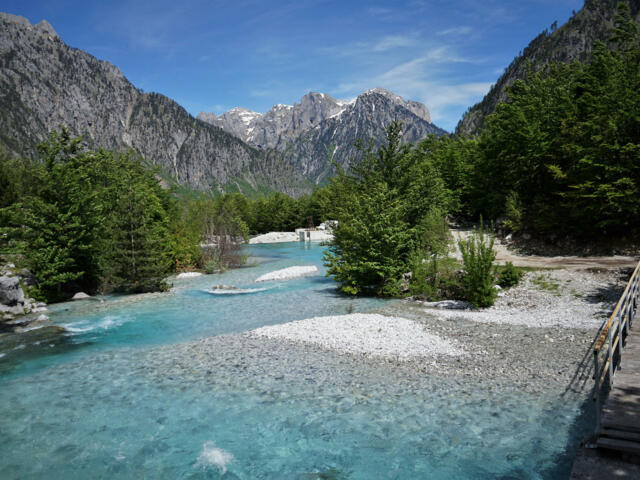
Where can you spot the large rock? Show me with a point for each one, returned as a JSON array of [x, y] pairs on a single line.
[[11, 292]]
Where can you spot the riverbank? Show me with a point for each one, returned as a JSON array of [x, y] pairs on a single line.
[[282, 237], [536, 337]]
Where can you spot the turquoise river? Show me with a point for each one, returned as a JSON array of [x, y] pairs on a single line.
[[128, 394]]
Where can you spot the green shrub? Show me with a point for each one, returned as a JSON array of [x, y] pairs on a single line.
[[478, 256], [513, 213], [437, 278], [509, 276], [212, 266]]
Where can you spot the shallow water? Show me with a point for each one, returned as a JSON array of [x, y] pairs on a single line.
[[126, 397]]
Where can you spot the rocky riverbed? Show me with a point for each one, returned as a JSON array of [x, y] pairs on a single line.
[[546, 348], [537, 336]]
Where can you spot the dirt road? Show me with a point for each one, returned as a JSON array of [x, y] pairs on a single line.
[[504, 255]]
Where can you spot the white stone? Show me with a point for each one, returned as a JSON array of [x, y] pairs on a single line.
[[367, 334], [287, 273], [189, 274], [80, 296]]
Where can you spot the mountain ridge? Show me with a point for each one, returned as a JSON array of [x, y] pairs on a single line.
[[45, 84], [571, 41], [321, 129]]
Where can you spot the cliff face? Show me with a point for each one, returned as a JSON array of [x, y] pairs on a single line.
[[45, 84], [572, 41], [320, 128]]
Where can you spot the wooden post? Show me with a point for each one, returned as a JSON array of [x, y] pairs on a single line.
[[596, 390], [610, 351]]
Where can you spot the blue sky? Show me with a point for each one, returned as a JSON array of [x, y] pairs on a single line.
[[215, 55]]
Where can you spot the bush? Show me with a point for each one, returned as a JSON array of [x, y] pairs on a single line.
[[212, 266], [478, 256], [437, 278], [509, 276]]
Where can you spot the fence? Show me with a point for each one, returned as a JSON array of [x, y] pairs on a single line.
[[607, 353]]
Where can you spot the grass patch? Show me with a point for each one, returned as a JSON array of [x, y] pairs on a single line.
[[544, 282]]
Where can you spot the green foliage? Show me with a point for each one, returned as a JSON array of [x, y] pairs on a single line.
[[563, 151], [87, 220], [509, 275], [389, 206], [435, 278], [513, 212], [135, 253], [545, 282], [215, 221], [478, 256], [454, 158], [372, 244]]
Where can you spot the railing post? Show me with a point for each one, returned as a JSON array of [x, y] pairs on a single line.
[[596, 390], [610, 351], [621, 318]]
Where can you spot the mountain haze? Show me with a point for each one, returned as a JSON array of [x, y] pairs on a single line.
[[572, 41]]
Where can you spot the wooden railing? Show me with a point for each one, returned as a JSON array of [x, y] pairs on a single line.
[[607, 354]]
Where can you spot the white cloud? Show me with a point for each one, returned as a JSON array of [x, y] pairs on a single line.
[[393, 41], [417, 80], [455, 31]]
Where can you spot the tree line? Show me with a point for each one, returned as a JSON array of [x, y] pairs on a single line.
[[560, 156]]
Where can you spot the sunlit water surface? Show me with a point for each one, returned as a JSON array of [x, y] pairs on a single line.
[[93, 407]]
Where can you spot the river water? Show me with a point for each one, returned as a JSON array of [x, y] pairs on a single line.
[[132, 393]]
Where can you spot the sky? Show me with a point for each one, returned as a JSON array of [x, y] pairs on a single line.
[[215, 55]]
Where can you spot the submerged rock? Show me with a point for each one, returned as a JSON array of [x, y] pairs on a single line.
[[224, 287], [45, 335]]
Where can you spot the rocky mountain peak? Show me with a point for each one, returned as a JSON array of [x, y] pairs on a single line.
[[18, 21], [45, 84], [418, 109], [320, 126], [46, 27]]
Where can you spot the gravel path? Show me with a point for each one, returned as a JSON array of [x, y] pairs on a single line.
[[505, 254]]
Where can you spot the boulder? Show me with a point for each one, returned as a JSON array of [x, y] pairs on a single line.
[[10, 291], [80, 296], [28, 278], [41, 321]]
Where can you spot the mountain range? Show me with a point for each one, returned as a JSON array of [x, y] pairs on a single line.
[[45, 84], [321, 128]]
